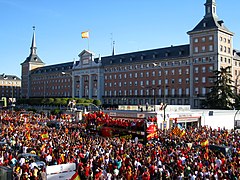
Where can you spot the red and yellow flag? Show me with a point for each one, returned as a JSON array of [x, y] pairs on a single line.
[[205, 143], [44, 136], [43, 147], [85, 34], [75, 177], [28, 135]]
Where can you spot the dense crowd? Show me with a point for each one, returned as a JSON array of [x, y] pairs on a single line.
[[167, 157]]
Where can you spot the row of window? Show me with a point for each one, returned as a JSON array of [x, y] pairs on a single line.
[[159, 73], [153, 82], [203, 49], [10, 82], [210, 39], [52, 87], [52, 81], [225, 60], [203, 39], [147, 92], [162, 64], [62, 94], [143, 101], [225, 49]]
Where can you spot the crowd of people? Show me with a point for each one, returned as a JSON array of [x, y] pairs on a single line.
[[167, 157]]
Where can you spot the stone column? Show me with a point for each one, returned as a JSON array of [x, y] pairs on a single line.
[[80, 86], [90, 86]]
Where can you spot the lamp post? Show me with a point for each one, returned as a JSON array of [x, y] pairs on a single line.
[[14, 78], [66, 73], [164, 94], [154, 95]]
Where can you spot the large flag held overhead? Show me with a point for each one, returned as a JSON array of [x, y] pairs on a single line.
[[85, 34], [179, 131], [75, 177], [44, 136], [205, 143]]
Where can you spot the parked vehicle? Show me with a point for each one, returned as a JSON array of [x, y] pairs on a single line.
[[34, 157]]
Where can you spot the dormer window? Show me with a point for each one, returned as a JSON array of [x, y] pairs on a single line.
[[121, 60], [204, 24], [111, 62], [142, 57], [167, 54]]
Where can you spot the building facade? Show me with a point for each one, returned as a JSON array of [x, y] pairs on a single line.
[[176, 75], [10, 88]]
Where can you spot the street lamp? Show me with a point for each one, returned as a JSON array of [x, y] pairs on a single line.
[[154, 95], [66, 73], [164, 89], [14, 78]]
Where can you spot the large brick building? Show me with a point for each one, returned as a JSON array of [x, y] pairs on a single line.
[[175, 74]]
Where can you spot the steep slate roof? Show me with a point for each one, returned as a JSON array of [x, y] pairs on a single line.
[[9, 77], [33, 58], [148, 55], [210, 23], [236, 54], [53, 68]]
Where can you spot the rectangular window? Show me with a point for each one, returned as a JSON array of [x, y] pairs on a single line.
[[180, 81], [210, 48], [187, 91], [196, 49], [196, 80], [179, 71], [203, 91], [196, 69], [203, 69], [203, 79], [136, 75]]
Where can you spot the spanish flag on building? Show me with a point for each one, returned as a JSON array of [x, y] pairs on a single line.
[[85, 34], [75, 177]]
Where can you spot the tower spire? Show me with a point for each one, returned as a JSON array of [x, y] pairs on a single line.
[[113, 51], [210, 8], [33, 47]]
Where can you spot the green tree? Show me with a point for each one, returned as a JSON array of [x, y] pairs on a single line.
[[221, 95], [97, 102]]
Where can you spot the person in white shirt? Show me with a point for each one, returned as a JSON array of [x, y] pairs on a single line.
[[22, 161], [32, 165], [48, 159]]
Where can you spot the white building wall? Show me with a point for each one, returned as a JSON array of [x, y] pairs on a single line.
[[218, 119]]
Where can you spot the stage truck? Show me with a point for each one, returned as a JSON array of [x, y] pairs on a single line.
[[134, 125]]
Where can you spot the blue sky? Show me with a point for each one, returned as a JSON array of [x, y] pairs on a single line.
[[134, 25]]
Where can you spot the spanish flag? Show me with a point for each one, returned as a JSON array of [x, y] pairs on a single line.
[[28, 135], [182, 133], [85, 34], [176, 131], [44, 136], [204, 143], [75, 177], [43, 147]]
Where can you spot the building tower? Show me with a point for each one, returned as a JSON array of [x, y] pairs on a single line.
[[211, 47], [31, 62]]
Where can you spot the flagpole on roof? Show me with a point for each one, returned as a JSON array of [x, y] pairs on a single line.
[[85, 34]]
